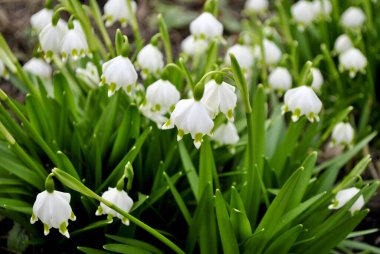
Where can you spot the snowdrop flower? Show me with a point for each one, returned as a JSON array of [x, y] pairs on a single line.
[[317, 79], [303, 13], [148, 111], [256, 6], [344, 196], [342, 44], [118, 10], [38, 67], [74, 45], [272, 52], [353, 18], [206, 26], [191, 116], [54, 210], [301, 101], [192, 46], [120, 199], [162, 95], [51, 38], [90, 74], [118, 73], [353, 61], [243, 55], [280, 80], [41, 19], [220, 97], [342, 135], [150, 60], [322, 7], [226, 134], [3, 71]]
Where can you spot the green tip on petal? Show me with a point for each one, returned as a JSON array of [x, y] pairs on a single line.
[[33, 219], [63, 229], [125, 221], [46, 229], [99, 211]]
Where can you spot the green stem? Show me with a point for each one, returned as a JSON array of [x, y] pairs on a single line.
[[165, 38], [135, 26]]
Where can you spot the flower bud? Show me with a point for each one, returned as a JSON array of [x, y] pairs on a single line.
[[38, 67], [342, 44], [41, 19], [353, 18], [256, 6], [317, 79], [342, 135], [150, 60], [226, 134], [280, 80], [117, 10], [206, 26], [344, 196], [353, 61]]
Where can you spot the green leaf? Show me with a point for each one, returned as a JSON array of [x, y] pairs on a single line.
[[91, 226], [238, 217], [91, 250], [122, 248], [359, 246], [206, 166], [134, 242], [65, 164], [16, 205], [190, 171], [283, 243]]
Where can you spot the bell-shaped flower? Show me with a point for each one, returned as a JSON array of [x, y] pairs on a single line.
[[38, 67], [344, 196], [54, 210], [89, 74], [243, 55], [74, 45], [118, 73], [301, 101], [303, 13], [206, 26], [317, 79], [256, 6], [353, 61], [342, 44], [192, 46], [191, 116], [3, 70], [117, 10], [353, 18], [150, 112], [271, 51], [51, 38], [120, 199], [226, 134], [280, 80], [41, 19], [342, 135], [322, 7], [162, 95], [150, 60], [220, 98]]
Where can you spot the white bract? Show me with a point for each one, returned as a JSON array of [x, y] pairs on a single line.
[[118, 73], [342, 134], [38, 67], [150, 60], [280, 79], [120, 199], [344, 196], [74, 45], [51, 38], [353, 61], [271, 51], [220, 98], [353, 18], [322, 7], [256, 6], [192, 46], [54, 210], [162, 96], [243, 55], [342, 44], [117, 10], [317, 79], [303, 13], [41, 19], [206, 26], [226, 134], [302, 101], [89, 74], [191, 116]]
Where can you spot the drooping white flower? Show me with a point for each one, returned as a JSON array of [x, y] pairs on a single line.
[[54, 210], [353, 18], [38, 67], [301, 101], [148, 111], [162, 95], [120, 199], [192, 46], [226, 134], [342, 134], [344, 196], [74, 45], [117, 10], [89, 74], [206, 26], [303, 13], [271, 50], [243, 55], [280, 79], [150, 60], [191, 116], [342, 44], [220, 98], [353, 61], [118, 73], [51, 38], [3, 71], [256, 6], [41, 19], [322, 7], [317, 79]]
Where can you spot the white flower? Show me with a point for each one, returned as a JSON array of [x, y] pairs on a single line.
[[118, 73], [206, 26], [220, 98], [118, 10], [301, 101], [41, 19], [162, 95], [148, 111], [303, 13], [342, 44], [150, 60], [344, 196], [54, 210], [51, 38], [280, 79], [256, 6], [191, 116], [271, 50], [192, 46], [243, 55], [226, 134], [120, 199], [342, 134], [38, 67], [317, 79], [90, 74], [3, 71], [74, 45], [353, 18], [322, 7], [353, 61]]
